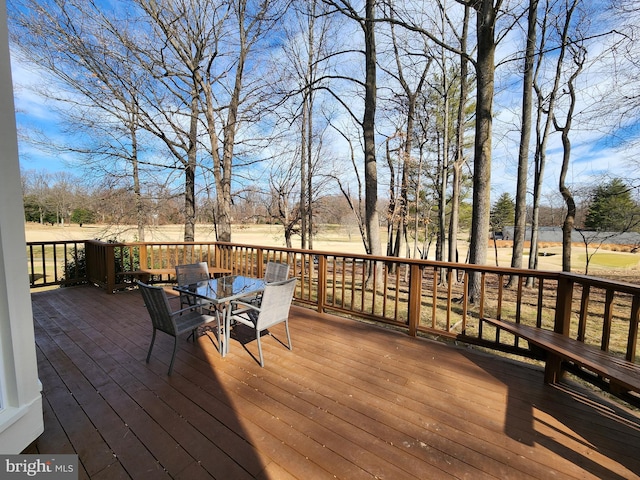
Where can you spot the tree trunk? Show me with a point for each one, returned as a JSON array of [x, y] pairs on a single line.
[[303, 172], [520, 226], [190, 174], [368, 128], [485, 69], [141, 217], [569, 220]]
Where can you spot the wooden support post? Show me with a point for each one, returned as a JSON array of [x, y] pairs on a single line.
[[110, 267], [260, 261], [564, 300], [143, 256], [415, 298], [553, 367]]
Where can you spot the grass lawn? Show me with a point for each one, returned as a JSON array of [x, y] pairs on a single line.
[[612, 259]]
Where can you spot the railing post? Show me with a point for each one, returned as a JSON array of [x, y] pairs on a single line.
[[217, 254], [260, 262], [89, 261], [110, 267], [143, 256], [322, 282], [553, 366], [415, 298], [564, 301]]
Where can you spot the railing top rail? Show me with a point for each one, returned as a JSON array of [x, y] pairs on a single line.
[[411, 261], [604, 283], [100, 242], [55, 242]]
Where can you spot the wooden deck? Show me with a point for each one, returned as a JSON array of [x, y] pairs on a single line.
[[350, 401]]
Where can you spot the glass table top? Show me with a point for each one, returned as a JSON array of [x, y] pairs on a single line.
[[224, 289]]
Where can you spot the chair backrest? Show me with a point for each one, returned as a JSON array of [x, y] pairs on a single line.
[[157, 303], [276, 303], [192, 273], [276, 272]]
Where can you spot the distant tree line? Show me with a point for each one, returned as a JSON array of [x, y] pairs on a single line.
[[62, 199]]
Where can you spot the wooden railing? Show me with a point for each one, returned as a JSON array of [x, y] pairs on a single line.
[[422, 296], [416, 296], [56, 263], [114, 266]]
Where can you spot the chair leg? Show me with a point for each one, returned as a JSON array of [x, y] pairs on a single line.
[[193, 335], [286, 327], [153, 339], [218, 331], [259, 348], [173, 357]]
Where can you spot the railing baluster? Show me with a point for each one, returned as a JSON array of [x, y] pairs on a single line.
[[632, 339], [608, 314]]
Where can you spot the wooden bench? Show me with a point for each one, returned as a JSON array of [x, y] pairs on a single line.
[[623, 375], [145, 274]]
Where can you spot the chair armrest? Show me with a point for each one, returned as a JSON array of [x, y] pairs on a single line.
[[182, 310], [243, 307]]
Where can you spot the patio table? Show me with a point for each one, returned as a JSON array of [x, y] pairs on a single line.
[[220, 292]]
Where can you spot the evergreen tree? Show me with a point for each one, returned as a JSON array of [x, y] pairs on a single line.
[[503, 212], [612, 208]]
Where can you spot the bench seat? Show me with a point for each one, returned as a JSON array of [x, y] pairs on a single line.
[[144, 274], [623, 375]]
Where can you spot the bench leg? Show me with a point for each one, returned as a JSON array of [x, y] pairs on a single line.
[[553, 369], [616, 388]]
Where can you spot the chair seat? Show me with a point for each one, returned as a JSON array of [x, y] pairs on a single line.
[[190, 320], [246, 317]]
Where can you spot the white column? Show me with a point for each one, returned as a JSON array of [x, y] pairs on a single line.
[[20, 399]]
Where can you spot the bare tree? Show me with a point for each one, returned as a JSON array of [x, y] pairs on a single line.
[[253, 20], [411, 65], [546, 106], [186, 34], [356, 202], [486, 15], [484, 63], [283, 207], [75, 41], [304, 65], [578, 54], [61, 195], [520, 224], [460, 158], [367, 23]]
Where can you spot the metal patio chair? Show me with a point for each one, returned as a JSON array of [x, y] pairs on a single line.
[[274, 309], [172, 323], [188, 274], [274, 272]]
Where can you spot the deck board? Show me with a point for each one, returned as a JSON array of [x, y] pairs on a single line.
[[349, 401]]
